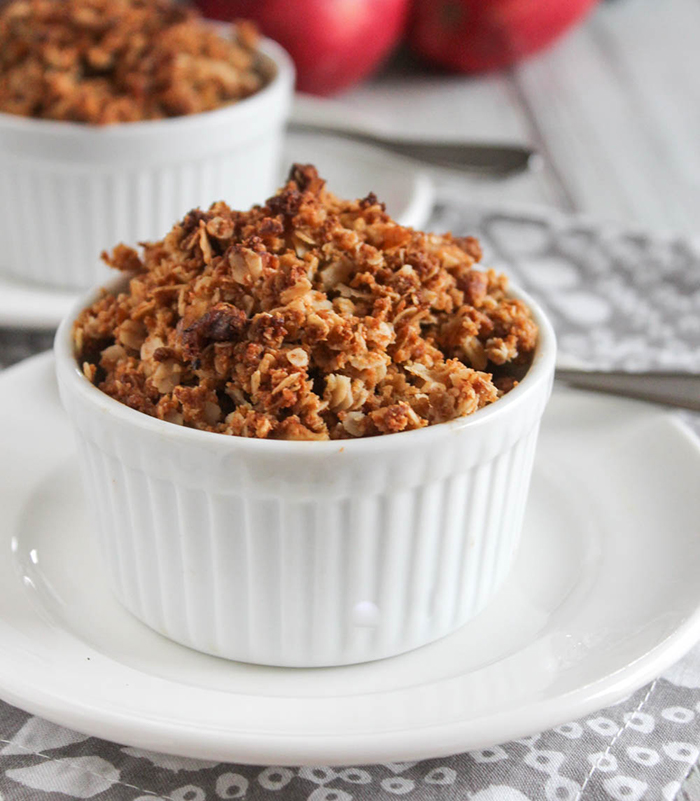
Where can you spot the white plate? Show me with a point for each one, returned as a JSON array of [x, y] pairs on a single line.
[[352, 170], [603, 597]]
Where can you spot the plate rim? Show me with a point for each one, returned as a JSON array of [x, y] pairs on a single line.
[[418, 742]]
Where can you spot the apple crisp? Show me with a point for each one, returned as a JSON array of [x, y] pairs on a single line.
[[110, 61], [308, 318]]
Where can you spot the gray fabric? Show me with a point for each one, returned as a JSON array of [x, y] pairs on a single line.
[[17, 345], [617, 299]]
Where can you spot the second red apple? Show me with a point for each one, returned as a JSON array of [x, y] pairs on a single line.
[[477, 35]]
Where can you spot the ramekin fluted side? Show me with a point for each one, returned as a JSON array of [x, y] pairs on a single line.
[[308, 582], [306, 553], [80, 213], [70, 191]]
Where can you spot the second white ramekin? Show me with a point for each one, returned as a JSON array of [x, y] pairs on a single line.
[[67, 189], [306, 553]]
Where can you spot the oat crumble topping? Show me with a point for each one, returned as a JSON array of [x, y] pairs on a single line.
[[308, 318], [109, 61]]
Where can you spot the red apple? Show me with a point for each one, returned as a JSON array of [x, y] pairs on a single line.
[[334, 43], [476, 35]]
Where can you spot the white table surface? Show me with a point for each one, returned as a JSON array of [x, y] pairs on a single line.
[[614, 107]]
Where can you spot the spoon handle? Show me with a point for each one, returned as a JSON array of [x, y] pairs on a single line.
[[482, 158], [672, 389]]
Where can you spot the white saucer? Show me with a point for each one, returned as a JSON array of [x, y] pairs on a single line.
[[351, 169], [604, 596]]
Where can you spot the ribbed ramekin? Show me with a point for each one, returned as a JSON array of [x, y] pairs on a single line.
[[306, 553], [67, 189]]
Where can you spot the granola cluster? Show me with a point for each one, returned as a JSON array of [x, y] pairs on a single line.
[[307, 318], [109, 61]]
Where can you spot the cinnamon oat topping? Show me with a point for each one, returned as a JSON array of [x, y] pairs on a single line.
[[307, 318], [108, 61]]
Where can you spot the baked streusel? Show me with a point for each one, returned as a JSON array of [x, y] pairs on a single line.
[[307, 318], [107, 61]]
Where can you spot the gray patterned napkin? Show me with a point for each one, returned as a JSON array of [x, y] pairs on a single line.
[[617, 299]]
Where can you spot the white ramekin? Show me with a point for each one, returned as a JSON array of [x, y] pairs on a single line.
[[306, 553], [68, 190]]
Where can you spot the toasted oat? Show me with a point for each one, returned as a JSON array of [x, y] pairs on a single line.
[[231, 325], [108, 61]]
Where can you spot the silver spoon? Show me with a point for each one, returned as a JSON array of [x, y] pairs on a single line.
[[480, 158], [681, 390]]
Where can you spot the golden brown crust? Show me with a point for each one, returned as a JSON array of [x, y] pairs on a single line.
[[307, 318], [108, 61]]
